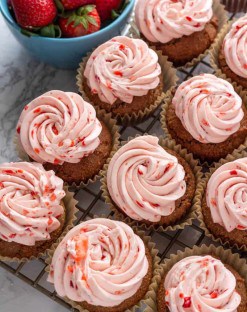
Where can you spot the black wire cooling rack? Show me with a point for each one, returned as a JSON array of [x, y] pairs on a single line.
[[90, 203]]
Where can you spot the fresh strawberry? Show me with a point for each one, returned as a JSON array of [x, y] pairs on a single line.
[[81, 22], [34, 13], [72, 4], [105, 8]]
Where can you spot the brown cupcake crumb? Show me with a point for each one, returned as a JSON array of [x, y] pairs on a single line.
[[228, 72], [209, 151], [16, 250], [184, 49], [89, 166]]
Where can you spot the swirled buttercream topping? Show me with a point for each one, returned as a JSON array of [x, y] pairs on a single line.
[[227, 195], [100, 261], [235, 47], [144, 180], [209, 108], [59, 127], [30, 202], [201, 284], [165, 20], [121, 69]]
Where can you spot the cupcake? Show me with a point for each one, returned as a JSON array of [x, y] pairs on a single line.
[[123, 76], [202, 283], [207, 117], [32, 213], [102, 265], [182, 30], [61, 131], [232, 55], [235, 6], [150, 184], [224, 204]]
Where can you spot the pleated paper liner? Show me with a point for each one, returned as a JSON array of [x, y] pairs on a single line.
[[219, 12], [214, 58], [235, 6], [187, 218], [165, 105], [70, 217], [169, 80], [149, 301], [114, 130], [226, 257], [231, 157]]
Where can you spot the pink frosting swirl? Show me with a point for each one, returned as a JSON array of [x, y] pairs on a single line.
[[164, 20], [209, 108], [30, 200], [59, 127], [144, 180], [99, 261], [201, 284], [227, 195], [235, 48], [122, 68]]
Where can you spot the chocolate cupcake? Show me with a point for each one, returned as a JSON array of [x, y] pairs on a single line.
[[61, 131], [202, 283], [150, 184], [182, 30], [224, 203], [32, 212], [124, 77], [207, 117], [102, 265], [235, 6]]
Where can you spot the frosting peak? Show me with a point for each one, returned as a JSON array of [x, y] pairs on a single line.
[[122, 68], [144, 180], [29, 202], [99, 261], [165, 20], [227, 195], [209, 108], [59, 127]]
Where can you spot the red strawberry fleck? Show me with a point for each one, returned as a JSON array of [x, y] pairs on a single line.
[[139, 204], [12, 235], [214, 294], [197, 25], [71, 284], [70, 268], [205, 123], [50, 221], [168, 167], [187, 302], [36, 150], [72, 143], [26, 107], [118, 73], [20, 171], [60, 144], [94, 91], [32, 133], [8, 171], [18, 130], [213, 202], [181, 295], [245, 66], [1, 185], [4, 237], [188, 18], [154, 205], [166, 293], [33, 193], [233, 172], [118, 292], [121, 47], [54, 129], [37, 110], [240, 227], [56, 161], [139, 171], [53, 197]]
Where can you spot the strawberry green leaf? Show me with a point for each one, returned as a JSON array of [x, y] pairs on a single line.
[[28, 33], [114, 14], [92, 20], [59, 5], [52, 31]]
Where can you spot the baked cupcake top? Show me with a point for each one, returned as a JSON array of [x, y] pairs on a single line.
[[209, 108], [227, 195], [165, 20], [58, 127], [235, 48], [144, 180], [30, 202], [99, 261], [121, 69], [201, 283]]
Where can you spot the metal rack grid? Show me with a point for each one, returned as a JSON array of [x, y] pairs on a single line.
[[90, 203]]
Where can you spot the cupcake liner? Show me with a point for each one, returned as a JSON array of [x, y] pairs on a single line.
[[235, 6], [164, 127], [114, 130], [169, 80], [150, 297], [214, 58], [70, 211], [231, 157], [226, 256], [185, 220], [221, 14]]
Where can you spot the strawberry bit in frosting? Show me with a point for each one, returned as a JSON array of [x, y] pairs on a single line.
[[144, 180], [27, 214], [117, 73], [165, 20], [201, 284], [209, 108], [227, 195], [100, 261], [53, 126], [235, 48]]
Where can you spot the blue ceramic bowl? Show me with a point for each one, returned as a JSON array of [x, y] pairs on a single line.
[[65, 53]]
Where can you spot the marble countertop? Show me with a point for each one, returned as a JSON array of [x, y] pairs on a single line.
[[22, 79]]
